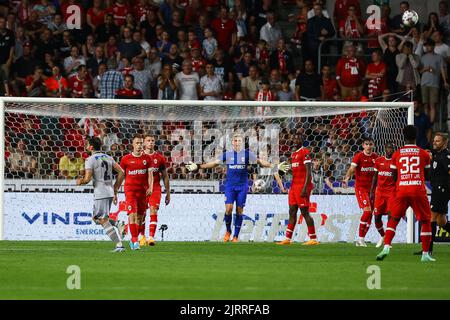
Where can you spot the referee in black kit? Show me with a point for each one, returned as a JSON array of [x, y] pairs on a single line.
[[440, 185]]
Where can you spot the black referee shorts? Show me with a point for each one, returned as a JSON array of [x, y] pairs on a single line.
[[439, 200]]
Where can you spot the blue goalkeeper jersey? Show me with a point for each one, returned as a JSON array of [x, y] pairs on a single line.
[[237, 163]]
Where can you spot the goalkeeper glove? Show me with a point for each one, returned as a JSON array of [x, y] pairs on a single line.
[[284, 166], [191, 166]]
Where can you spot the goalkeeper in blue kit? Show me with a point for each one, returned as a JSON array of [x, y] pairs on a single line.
[[236, 182]]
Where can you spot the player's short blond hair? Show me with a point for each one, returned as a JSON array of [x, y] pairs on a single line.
[[238, 135]]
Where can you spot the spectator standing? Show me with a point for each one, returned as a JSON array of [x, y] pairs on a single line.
[[95, 16], [57, 27], [111, 81], [408, 64], [7, 43], [308, 83], [167, 87], [148, 27], [72, 62], [251, 84], [94, 62], [188, 82], [34, 83], [78, 80], [423, 125], [271, 32], [351, 27], [390, 51], [107, 29], [350, 71], [341, 10], [45, 11], [376, 74], [433, 67], [225, 30], [120, 9], [211, 86], [56, 85], [142, 77], [128, 48], [318, 29], [285, 94], [209, 44], [397, 22], [128, 91], [173, 58], [223, 69], [282, 59], [329, 86]]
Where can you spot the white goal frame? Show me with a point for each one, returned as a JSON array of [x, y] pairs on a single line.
[[194, 103]]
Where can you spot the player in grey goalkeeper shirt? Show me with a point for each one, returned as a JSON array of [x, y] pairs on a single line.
[[99, 168]]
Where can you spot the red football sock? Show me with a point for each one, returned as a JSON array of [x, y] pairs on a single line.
[[364, 224], [153, 224], [290, 231], [390, 231], [379, 226], [134, 230], [142, 229], [425, 235], [312, 232]]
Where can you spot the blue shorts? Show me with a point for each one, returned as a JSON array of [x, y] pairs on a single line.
[[238, 194]]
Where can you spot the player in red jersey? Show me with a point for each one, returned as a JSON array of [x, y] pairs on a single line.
[[158, 167], [383, 187], [138, 185], [300, 191], [409, 166], [363, 166]]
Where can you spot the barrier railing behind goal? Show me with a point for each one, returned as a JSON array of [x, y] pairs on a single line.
[[44, 153]]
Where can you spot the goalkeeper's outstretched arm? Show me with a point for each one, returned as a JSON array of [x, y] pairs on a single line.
[[191, 166], [283, 166]]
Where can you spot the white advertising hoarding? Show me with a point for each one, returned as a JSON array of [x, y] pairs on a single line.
[[189, 217]]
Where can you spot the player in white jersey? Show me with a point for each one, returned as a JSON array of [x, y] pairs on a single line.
[[99, 168]]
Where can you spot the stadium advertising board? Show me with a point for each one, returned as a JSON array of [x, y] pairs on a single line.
[[189, 217]]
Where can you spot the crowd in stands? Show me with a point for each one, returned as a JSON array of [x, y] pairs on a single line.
[[214, 50]]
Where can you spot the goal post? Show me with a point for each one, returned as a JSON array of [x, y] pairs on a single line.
[[186, 131]]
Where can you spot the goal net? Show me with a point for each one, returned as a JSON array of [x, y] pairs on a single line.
[[44, 152]]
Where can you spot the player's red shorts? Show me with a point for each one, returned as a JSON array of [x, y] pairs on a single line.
[[381, 206], [296, 199], [155, 199], [419, 204], [136, 202], [363, 197]]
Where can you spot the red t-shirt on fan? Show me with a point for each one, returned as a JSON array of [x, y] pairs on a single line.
[[377, 68], [223, 31], [157, 163], [365, 170], [350, 71], [120, 13], [410, 162], [136, 172], [128, 94], [299, 159], [386, 183]]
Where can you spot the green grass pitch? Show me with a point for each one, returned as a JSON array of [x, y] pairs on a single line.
[[204, 270]]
